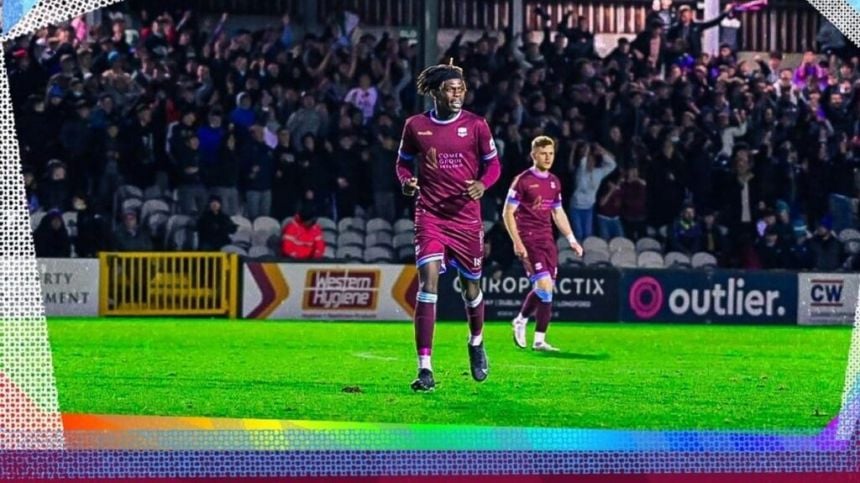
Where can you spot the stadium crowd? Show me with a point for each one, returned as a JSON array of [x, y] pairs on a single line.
[[735, 158]]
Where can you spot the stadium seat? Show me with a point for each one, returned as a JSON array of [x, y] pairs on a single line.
[[259, 252], [595, 257], [650, 259], [70, 218], [568, 258], [350, 239], [329, 253], [157, 222], [676, 260], [488, 225], [852, 247], [849, 234], [330, 238], [595, 244], [378, 238], [621, 244], [664, 232], [36, 218], [260, 238], [350, 252], [648, 244], [242, 222], [403, 225], [234, 249], [243, 238], [153, 192], [351, 224], [379, 225], [127, 191], [704, 260], [176, 222], [624, 259], [403, 240], [183, 240], [378, 255], [266, 224], [151, 206], [562, 244], [132, 204], [406, 254], [324, 223]]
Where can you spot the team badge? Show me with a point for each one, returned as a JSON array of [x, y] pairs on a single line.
[[461, 131]]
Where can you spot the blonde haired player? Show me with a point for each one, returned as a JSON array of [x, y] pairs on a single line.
[[532, 206]]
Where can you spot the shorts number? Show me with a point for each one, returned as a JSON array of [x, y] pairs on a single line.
[[476, 262]]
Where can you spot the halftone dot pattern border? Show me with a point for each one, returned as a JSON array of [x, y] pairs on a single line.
[[334, 449]]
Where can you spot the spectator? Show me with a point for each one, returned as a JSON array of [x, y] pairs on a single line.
[[55, 192], [31, 189], [302, 237], [825, 249], [771, 253], [686, 234], [800, 254], [713, 239], [51, 238], [191, 192], [223, 177], [257, 164], [691, 31], [741, 202], [385, 187], [306, 120], [286, 187], [214, 227], [609, 210], [130, 236], [634, 204], [90, 239], [809, 71], [593, 166], [364, 97]]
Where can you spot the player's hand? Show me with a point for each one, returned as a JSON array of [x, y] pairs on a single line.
[[577, 248], [410, 187], [520, 250], [475, 189]]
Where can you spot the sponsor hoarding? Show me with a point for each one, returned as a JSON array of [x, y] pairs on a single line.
[[70, 286], [721, 296], [827, 298], [328, 292]]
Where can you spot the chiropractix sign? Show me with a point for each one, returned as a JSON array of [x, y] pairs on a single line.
[[700, 296]]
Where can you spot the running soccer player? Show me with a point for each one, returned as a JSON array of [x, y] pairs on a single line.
[[532, 205], [448, 159]]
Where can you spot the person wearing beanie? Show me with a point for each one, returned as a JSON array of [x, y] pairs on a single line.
[[214, 227], [825, 249]]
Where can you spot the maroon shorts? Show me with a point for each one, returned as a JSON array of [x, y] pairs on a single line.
[[454, 242], [541, 259]]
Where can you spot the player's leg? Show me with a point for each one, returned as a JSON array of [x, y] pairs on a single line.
[[530, 304], [425, 321], [474, 300], [543, 314]]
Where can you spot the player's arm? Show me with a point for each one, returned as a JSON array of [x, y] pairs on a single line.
[[490, 158], [405, 166], [559, 217], [511, 205]]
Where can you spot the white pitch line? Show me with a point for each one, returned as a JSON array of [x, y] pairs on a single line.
[[370, 355]]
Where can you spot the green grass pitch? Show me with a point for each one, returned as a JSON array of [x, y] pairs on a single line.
[[619, 376]]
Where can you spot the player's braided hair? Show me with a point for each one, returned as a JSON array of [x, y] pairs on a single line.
[[431, 78]]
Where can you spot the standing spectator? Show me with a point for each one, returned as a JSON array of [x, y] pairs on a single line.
[[90, 239], [634, 204], [140, 166], [306, 120], [51, 238], [286, 187], [258, 166], [729, 133], [771, 253], [713, 239], [214, 227], [686, 234], [742, 196], [809, 71], [55, 192], [364, 97], [31, 189], [302, 237], [383, 157], [76, 140], [609, 210], [130, 236], [211, 139], [825, 249], [223, 178], [191, 192], [589, 173], [800, 254]]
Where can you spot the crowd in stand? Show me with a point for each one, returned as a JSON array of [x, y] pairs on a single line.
[[736, 158]]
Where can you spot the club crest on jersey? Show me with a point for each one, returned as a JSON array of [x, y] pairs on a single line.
[[462, 132]]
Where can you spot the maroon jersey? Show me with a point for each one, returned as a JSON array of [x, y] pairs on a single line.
[[534, 194], [443, 155]]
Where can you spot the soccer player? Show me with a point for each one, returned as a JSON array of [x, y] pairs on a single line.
[[448, 158], [532, 205]]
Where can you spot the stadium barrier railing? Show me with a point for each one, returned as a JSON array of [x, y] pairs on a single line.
[[177, 283]]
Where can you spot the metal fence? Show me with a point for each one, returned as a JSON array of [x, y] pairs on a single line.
[[180, 283]]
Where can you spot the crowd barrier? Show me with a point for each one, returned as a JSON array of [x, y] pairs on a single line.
[[214, 284]]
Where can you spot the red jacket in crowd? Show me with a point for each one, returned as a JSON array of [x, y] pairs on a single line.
[[301, 241]]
